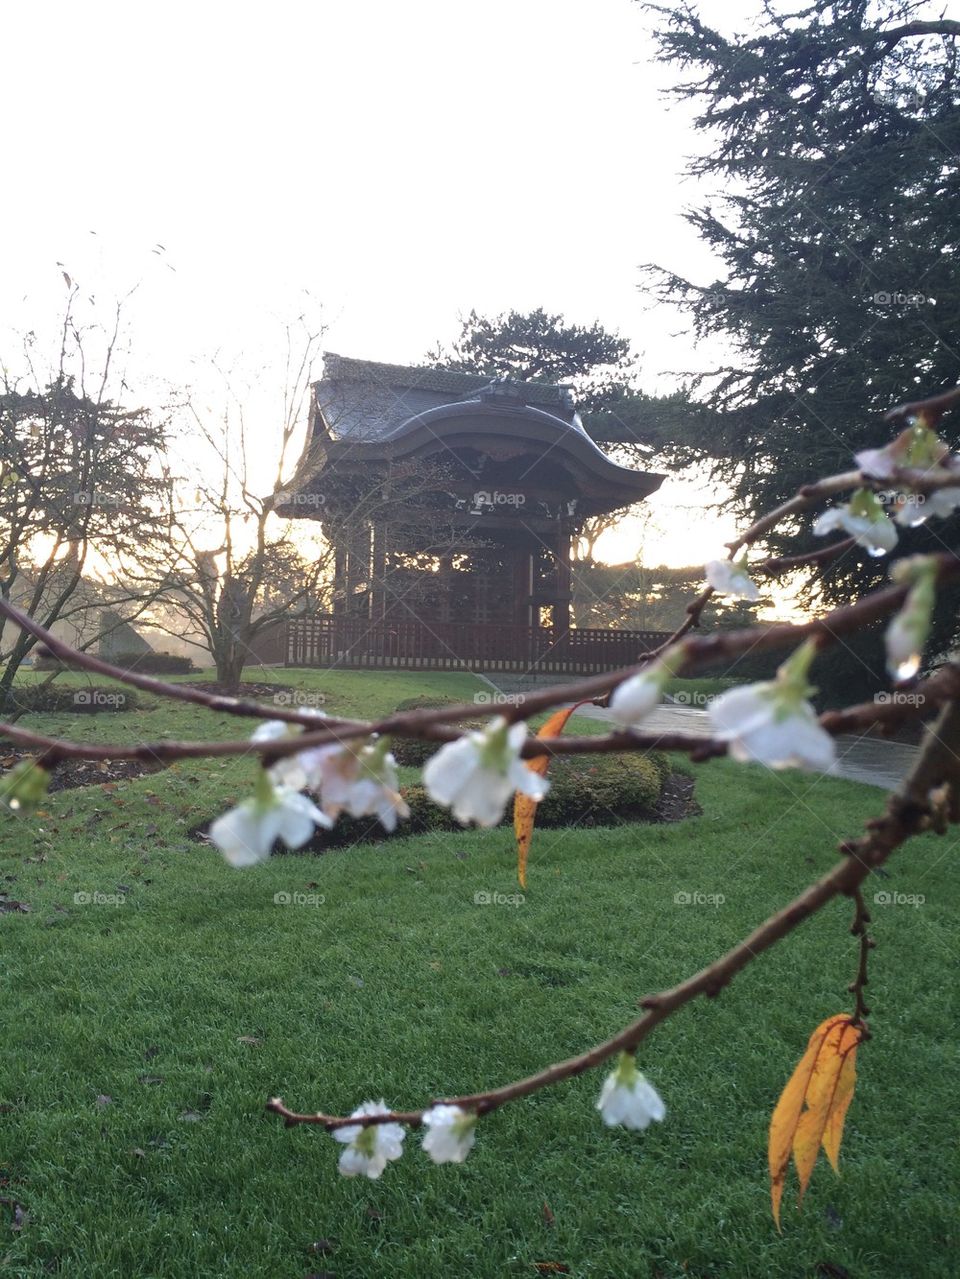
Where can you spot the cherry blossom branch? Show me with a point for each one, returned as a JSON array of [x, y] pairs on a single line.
[[430, 725], [861, 918], [909, 812], [931, 409]]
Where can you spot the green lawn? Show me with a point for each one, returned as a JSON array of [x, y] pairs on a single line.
[[141, 1040]]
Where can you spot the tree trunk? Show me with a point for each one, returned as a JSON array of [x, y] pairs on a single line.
[[230, 667]]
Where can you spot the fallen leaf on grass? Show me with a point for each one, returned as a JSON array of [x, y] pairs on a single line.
[[551, 1268], [103, 1099], [14, 908], [548, 1218]]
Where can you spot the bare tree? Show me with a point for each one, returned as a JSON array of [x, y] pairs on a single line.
[[80, 478]]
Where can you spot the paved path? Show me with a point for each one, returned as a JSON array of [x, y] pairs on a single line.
[[860, 759]]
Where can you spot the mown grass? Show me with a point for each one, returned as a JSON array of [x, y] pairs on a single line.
[[141, 1040]]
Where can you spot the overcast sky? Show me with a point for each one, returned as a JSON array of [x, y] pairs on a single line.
[[401, 162]]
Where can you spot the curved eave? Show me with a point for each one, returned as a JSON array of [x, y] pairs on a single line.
[[536, 427]]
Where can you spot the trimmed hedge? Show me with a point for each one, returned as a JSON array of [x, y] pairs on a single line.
[[69, 701], [146, 663], [409, 751], [601, 790]]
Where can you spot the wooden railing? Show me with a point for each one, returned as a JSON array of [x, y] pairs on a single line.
[[352, 643]]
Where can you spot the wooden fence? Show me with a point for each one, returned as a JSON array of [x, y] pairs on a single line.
[[352, 643]]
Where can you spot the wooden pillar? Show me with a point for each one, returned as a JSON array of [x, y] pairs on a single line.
[[562, 597], [340, 579], [378, 573], [522, 585]]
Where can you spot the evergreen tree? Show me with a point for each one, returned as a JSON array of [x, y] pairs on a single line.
[[837, 149]]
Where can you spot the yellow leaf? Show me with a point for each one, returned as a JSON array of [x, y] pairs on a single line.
[[813, 1105], [525, 808]]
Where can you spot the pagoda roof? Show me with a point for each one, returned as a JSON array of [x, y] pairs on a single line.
[[368, 413], [364, 400]]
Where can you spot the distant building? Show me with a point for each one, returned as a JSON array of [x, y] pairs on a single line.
[[452, 502]]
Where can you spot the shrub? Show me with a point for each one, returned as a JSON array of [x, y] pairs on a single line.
[[413, 753], [69, 701], [154, 663], [603, 790], [146, 663]]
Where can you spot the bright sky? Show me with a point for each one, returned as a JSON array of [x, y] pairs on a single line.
[[401, 163]]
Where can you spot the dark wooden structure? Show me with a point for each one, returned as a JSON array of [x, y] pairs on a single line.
[[452, 502]]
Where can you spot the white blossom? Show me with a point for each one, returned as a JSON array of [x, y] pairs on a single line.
[[370, 1147], [637, 697], [913, 510], [730, 577], [450, 1134], [907, 633], [864, 518], [245, 834], [915, 448], [288, 771], [628, 1098], [360, 782], [476, 775], [773, 723]]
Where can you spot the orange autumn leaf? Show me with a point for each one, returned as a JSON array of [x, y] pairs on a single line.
[[812, 1107], [525, 808]]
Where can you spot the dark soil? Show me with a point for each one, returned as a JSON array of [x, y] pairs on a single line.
[[82, 772], [675, 804], [676, 799], [246, 690]]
